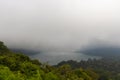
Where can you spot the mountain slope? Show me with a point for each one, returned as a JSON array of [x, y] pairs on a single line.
[[103, 51]]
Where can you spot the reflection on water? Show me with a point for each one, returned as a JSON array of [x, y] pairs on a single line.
[[56, 57]]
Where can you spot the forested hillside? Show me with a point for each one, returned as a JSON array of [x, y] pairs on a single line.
[[108, 68], [17, 66]]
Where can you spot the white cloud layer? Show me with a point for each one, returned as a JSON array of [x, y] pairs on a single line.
[[58, 25]]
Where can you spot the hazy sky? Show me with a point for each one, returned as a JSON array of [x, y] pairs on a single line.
[[59, 25]]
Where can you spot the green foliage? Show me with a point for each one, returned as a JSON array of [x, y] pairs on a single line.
[[50, 76], [6, 74], [3, 48], [91, 73], [82, 74]]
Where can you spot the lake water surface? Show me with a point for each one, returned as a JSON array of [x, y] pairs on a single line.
[[56, 57]]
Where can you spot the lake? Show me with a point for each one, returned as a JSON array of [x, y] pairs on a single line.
[[56, 57]]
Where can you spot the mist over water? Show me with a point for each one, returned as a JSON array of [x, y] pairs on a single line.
[[56, 57]]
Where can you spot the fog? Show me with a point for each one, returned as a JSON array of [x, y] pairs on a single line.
[[59, 25]]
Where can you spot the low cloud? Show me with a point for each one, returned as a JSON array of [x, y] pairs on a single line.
[[59, 25]]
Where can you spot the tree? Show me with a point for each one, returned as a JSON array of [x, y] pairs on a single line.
[[6, 74]]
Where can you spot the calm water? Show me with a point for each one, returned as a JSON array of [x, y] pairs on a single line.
[[56, 57]]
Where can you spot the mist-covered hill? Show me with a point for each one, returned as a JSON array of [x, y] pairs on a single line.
[[25, 51], [104, 51]]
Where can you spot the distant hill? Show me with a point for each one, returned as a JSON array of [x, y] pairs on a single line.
[[102, 51], [25, 51]]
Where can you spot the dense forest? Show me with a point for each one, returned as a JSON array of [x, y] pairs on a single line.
[[17, 66], [108, 68]]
